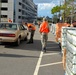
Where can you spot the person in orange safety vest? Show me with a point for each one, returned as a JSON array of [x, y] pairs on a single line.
[[44, 30], [31, 28], [59, 26]]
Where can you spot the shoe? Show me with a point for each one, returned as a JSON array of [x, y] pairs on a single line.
[[44, 49]]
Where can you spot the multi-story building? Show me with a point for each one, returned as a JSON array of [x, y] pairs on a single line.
[[18, 10]]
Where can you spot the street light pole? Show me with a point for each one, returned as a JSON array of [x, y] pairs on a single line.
[[64, 9], [60, 12]]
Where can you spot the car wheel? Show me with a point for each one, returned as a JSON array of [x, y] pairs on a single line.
[[25, 39], [17, 42]]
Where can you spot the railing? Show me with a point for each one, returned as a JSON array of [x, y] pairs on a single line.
[[53, 28], [68, 48]]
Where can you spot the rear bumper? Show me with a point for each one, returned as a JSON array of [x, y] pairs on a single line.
[[7, 39]]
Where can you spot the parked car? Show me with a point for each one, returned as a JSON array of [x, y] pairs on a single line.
[[13, 33]]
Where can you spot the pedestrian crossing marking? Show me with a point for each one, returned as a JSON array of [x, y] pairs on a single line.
[[38, 64], [51, 64], [50, 54]]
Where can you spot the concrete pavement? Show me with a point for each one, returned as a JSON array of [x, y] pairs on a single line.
[[28, 59], [50, 63]]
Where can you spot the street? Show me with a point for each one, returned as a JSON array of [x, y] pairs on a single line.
[[28, 59]]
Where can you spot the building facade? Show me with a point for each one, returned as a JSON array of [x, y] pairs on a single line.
[[18, 10]]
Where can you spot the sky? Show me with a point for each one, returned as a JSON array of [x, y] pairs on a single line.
[[45, 6]]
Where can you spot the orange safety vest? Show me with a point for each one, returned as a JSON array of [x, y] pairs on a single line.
[[66, 24], [44, 27], [58, 30], [31, 25]]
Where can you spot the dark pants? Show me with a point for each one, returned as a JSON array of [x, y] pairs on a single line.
[[31, 35]]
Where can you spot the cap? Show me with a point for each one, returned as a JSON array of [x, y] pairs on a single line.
[[44, 19]]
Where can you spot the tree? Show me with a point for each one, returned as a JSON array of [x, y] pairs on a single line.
[[67, 9], [56, 10]]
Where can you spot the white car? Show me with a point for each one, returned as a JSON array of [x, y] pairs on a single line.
[[13, 32]]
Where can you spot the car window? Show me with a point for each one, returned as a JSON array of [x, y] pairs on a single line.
[[22, 27], [8, 26], [2, 26], [13, 26]]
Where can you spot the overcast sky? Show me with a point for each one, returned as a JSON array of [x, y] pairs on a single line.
[[45, 6]]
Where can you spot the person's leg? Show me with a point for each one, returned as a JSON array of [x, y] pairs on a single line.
[[31, 36], [44, 38], [45, 41]]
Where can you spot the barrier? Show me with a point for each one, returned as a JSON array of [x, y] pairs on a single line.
[[71, 52], [68, 44], [53, 28], [65, 36], [68, 48]]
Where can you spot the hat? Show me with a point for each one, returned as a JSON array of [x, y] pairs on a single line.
[[44, 19]]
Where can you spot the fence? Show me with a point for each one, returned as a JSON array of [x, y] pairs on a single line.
[[68, 44]]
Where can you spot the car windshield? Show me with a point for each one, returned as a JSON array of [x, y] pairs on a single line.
[[8, 26]]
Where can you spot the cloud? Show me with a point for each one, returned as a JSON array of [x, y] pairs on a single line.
[[42, 1], [43, 6], [48, 1]]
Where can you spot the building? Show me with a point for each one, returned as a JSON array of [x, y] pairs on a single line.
[[18, 10]]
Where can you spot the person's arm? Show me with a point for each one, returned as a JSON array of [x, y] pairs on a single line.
[[40, 29]]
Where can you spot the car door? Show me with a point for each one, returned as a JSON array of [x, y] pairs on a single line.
[[23, 31]]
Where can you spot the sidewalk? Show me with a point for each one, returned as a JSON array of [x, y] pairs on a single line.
[[51, 61]]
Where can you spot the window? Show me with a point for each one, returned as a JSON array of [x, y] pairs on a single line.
[[19, 17], [23, 12], [4, 1], [23, 6], [19, 10], [4, 8], [8, 26], [19, 3], [3, 16]]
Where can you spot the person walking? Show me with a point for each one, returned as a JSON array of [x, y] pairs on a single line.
[[44, 30], [39, 23], [31, 28]]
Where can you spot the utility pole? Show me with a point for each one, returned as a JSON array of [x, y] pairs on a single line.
[[60, 12], [64, 10]]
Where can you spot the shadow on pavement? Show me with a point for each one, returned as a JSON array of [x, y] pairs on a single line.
[[53, 47], [16, 55], [36, 46]]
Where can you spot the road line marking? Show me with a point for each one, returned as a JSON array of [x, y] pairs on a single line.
[[51, 64], [50, 54], [38, 64]]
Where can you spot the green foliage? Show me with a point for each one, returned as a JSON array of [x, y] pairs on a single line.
[[66, 9], [55, 9]]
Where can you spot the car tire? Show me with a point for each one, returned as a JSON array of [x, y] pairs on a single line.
[[17, 43], [25, 39]]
